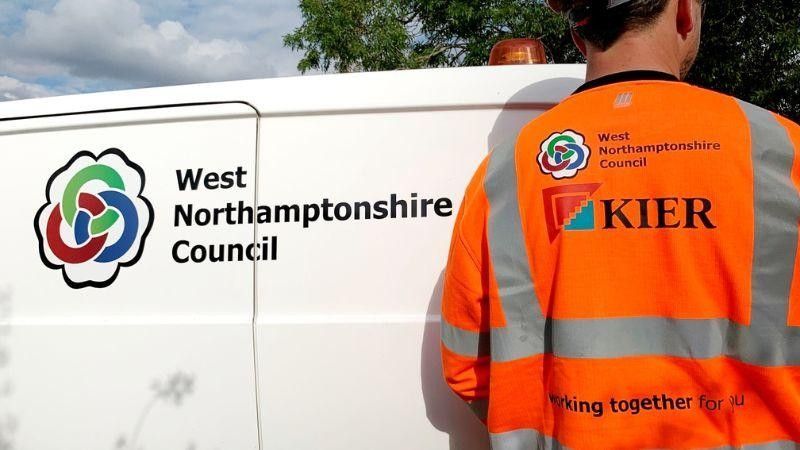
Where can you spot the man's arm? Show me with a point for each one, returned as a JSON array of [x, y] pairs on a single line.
[[465, 303], [793, 131]]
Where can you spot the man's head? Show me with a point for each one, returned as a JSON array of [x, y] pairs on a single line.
[[667, 26]]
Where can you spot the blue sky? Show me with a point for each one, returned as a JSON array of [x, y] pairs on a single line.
[[54, 47]]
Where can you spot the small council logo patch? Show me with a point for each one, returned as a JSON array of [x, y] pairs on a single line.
[[562, 155], [95, 219]]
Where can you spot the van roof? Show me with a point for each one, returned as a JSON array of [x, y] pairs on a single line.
[[471, 87]]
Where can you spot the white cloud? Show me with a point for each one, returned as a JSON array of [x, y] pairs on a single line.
[[260, 24], [13, 89], [130, 43], [109, 39]]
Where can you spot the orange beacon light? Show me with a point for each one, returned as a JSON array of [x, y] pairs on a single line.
[[518, 51]]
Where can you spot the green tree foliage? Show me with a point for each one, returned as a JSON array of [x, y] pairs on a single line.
[[368, 35], [751, 48]]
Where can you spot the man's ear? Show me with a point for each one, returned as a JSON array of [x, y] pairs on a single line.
[[685, 19], [579, 42]]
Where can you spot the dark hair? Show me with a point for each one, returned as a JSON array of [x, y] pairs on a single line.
[[602, 26]]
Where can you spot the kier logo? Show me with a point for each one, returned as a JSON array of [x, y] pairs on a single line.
[[569, 207]]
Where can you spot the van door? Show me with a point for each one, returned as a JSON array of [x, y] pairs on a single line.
[[348, 312], [126, 281]]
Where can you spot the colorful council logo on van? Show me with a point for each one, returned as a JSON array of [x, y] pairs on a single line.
[[95, 219], [562, 155]]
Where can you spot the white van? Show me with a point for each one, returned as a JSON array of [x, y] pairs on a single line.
[[243, 265]]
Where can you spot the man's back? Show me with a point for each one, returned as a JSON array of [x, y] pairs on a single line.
[[623, 275]]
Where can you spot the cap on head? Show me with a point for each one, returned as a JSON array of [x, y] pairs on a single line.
[[561, 6], [602, 23]]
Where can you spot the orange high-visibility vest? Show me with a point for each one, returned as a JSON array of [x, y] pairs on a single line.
[[625, 276]]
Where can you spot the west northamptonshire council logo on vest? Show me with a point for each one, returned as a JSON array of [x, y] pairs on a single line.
[[564, 154], [95, 220]]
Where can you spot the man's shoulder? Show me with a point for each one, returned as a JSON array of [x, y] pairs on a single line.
[[759, 116], [681, 96], [749, 107], [629, 96], [791, 126]]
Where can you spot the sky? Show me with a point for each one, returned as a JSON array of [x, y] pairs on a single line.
[[57, 47]]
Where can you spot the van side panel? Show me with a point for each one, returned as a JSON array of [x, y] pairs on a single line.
[[162, 356]]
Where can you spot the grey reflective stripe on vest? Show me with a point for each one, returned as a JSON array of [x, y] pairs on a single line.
[[524, 440], [523, 335], [776, 445], [777, 210], [532, 440], [464, 342], [684, 338], [768, 341]]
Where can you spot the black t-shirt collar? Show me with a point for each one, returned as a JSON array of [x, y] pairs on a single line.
[[630, 75]]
